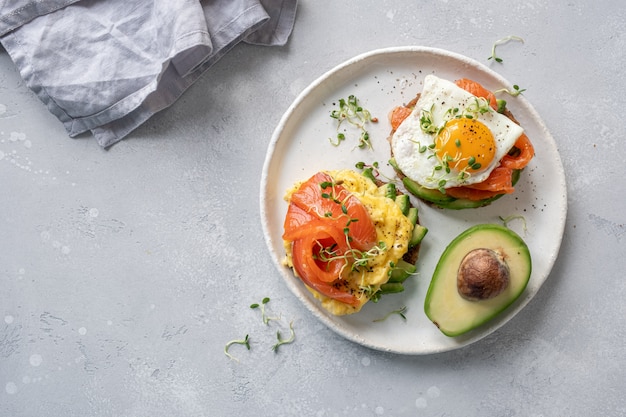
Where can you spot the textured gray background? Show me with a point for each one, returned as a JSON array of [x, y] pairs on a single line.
[[124, 272]]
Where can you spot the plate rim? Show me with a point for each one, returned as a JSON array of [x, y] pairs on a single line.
[[271, 149]]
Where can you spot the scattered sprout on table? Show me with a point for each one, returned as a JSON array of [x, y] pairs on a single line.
[[245, 341], [281, 341], [500, 42]]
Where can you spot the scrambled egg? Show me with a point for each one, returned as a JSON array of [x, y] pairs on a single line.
[[392, 228]]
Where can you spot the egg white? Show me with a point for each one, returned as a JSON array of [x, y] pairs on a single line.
[[438, 97]]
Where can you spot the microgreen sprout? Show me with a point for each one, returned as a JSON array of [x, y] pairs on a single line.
[[452, 113], [292, 337], [400, 312], [421, 148], [330, 184], [479, 106], [516, 91], [393, 267], [372, 171], [355, 257], [441, 186], [507, 220], [368, 171], [440, 170], [245, 341], [332, 195], [370, 292], [473, 110], [359, 258], [362, 258], [501, 105], [426, 121], [500, 42], [264, 316], [353, 113]]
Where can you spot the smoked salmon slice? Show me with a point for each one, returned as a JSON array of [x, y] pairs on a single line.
[[478, 90], [326, 223], [500, 181], [321, 197], [521, 159], [397, 116]]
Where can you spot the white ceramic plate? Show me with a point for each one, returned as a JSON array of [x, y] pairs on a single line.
[[382, 79]]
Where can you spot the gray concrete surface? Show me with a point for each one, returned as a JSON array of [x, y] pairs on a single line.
[[124, 272]]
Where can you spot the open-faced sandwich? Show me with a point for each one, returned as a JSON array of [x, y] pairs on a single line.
[[350, 238], [456, 146]]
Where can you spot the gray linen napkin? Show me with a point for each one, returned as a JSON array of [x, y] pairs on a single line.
[[106, 66]]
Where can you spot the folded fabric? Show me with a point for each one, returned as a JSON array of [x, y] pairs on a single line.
[[106, 66]]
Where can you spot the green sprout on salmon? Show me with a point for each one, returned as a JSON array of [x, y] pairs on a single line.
[[500, 42], [331, 195], [353, 113], [356, 258]]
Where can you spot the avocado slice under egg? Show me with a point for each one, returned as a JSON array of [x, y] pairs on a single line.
[[442, 200], [481, 272]]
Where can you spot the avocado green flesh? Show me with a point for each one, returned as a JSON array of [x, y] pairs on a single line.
[[419, 232], [404, 203], [434, 196], [444, 306], [403, 269]]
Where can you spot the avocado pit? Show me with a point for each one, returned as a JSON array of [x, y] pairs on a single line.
[[482, 274]]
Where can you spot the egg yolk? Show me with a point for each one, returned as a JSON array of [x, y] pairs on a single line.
[[465, 145]]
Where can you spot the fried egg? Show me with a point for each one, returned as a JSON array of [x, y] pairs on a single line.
[[451, 138]]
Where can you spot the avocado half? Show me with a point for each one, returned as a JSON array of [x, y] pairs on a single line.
[[455, 313]]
